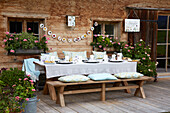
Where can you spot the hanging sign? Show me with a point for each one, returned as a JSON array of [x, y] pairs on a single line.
[[132, 25]]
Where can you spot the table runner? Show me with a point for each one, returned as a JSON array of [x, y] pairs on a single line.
[[56, 70]]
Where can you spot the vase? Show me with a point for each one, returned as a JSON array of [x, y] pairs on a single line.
[[31, 105]]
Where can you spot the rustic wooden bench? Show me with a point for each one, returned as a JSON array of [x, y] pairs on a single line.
[[61, 85]]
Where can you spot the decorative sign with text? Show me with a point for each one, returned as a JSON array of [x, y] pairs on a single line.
[[132, 25]]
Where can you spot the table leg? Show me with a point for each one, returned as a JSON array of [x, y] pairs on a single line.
[[60, 96], [125, 83], [140, 90], [52, 92], [103, 97]]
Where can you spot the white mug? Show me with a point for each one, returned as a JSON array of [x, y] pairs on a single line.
[[105, 58], [91, 57]]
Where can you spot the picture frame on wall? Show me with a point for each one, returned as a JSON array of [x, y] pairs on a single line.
[[132, 25]]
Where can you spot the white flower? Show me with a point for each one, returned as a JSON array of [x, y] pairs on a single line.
[[157, 63], [141, 40], [149, 70], [41, 25], [54, 35]]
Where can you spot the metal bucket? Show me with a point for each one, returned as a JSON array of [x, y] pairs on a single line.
[[31, 105]]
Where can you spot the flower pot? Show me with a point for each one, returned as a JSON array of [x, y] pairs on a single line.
[[31, 105]]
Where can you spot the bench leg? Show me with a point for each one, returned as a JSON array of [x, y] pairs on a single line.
[[103, 92], [60, 96], [125, 83], [52, 92], [140, 90]]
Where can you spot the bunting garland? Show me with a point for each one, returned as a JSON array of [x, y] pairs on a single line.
[[69, 40]]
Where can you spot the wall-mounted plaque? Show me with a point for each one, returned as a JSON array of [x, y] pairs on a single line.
[[71, 21], [132, 25]]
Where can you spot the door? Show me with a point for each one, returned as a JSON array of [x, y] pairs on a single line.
[[163, 43]]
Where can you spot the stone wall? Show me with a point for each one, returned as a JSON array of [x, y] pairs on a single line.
[[54, 14]]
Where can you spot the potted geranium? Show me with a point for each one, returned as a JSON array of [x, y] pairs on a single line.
[[17, 92], [25, 43], [24, 93]]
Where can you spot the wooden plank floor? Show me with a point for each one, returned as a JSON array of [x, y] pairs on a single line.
[[157, 100]]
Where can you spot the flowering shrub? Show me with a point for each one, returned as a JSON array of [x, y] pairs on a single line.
[[24, 40], [24, 90], [14, 89], [146, 66], [103, 41]]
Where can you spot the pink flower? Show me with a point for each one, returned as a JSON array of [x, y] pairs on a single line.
[[148, 54], [3, 45], [149, 58], [143, 58], [51, 48], [103, 40], [103, 37], [104, 49], [16, 38], [126, 45], [132, 47], [10, 39], [110, 37], [36, 41], [114, 42], [25, 78], [31, 81], [48, 38], [19, 79], [100, 46], [128, 50], [17, 97], [46, 42], [29, 29], [27, 99], [140, 44], [11, 35], [7, 33], [118, 43], [33, 89], [13, 85], [95, 35], [44, 35], [116, 38], [28, 75], [12, 51], [25, 40], [106, 44], [107, 35], [5, 40]]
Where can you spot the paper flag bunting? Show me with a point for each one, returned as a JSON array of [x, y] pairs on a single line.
[[41, 25], [54, 35], [49, 33]]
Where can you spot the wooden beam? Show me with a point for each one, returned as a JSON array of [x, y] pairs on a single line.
[[82, 91]]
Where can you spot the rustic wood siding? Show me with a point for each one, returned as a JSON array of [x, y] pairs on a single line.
[[54, 14]]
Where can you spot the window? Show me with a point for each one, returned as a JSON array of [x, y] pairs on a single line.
[[18, 25], [107, 28], [163, 43]]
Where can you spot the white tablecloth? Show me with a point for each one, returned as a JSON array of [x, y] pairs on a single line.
[[56, 70]]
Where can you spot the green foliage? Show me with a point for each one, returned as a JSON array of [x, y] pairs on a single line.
[[24, 40], [146, 66], [7, 100], [14, 89], [10, 77], [104, 41]]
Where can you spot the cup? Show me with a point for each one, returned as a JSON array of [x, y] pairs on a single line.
[[91, 57], [67, 58], [105, 58]]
